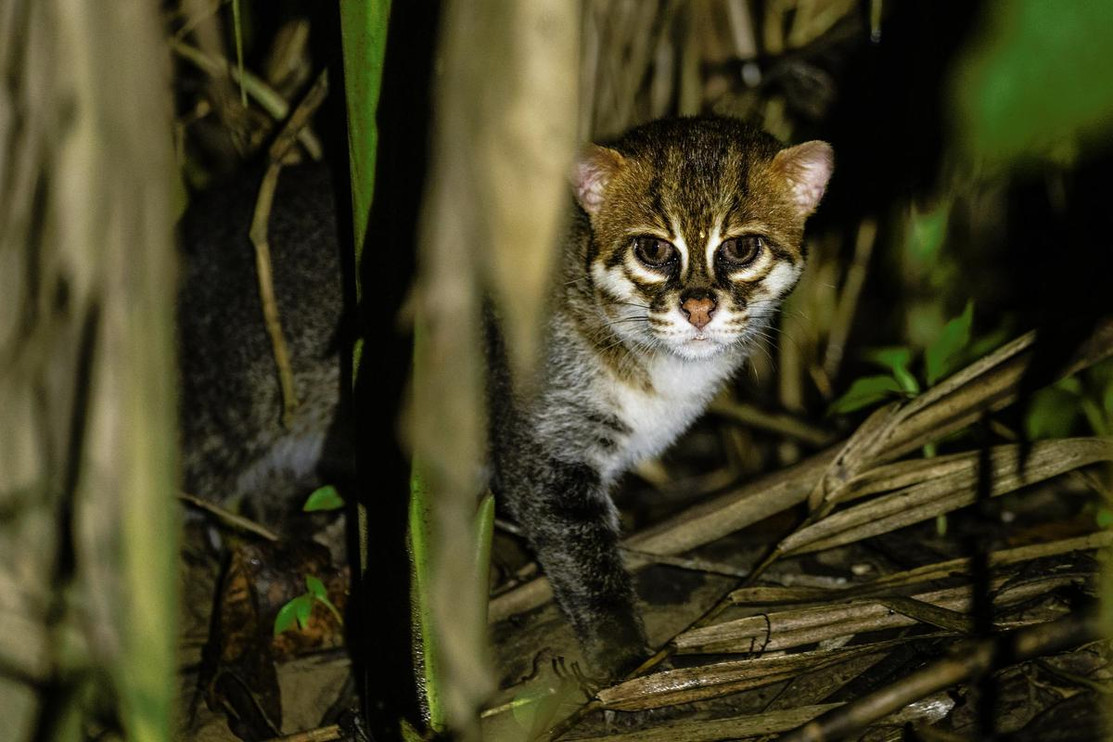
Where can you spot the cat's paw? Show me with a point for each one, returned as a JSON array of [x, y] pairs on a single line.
[[613, 663]]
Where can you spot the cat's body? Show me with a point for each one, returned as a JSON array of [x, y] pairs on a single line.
[[235, 449], [685, 237]]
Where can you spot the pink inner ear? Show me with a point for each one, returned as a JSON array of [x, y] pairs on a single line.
[[591, 174], [808, 167]]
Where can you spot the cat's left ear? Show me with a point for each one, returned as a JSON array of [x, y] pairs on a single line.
[[807, 167], [591, 173]]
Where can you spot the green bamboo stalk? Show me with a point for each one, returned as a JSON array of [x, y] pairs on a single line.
[[484, 533], [364, 29], [422, 561]]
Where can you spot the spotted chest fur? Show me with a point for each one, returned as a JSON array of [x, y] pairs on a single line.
[[614, 418], [681, 389], [686, 236]]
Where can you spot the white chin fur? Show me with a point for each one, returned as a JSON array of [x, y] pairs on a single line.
[[697, 346]]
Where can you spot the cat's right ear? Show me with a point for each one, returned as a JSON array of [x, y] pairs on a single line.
[[593, 170], [807, 167]]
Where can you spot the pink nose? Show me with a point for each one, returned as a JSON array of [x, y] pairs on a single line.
[[699, 311]]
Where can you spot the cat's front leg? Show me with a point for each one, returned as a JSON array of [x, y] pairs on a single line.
[[570, 522]]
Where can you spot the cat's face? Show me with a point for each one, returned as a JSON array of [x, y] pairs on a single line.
[[697, 227]]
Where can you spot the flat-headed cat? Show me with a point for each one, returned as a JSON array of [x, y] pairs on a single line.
[[684, 236], [687, 236]]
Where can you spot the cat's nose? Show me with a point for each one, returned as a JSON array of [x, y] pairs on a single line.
[[698, 306]]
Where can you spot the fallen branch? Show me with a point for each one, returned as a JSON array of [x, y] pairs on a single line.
[[684, 685], [773, 595], [969, 661], [780, 630], [938, 486]]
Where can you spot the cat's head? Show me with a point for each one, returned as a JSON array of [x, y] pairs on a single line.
[[697, 228]]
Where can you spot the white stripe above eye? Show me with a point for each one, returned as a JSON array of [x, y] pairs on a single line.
[[681, 246], [712, 245]]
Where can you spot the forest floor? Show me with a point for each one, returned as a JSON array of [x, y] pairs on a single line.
[[746, 661]]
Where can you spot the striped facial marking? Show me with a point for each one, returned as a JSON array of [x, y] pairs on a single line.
[[697, 235]]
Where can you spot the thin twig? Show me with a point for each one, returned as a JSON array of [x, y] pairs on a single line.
[[788, 425], [691, 564], [299, 119], [848, 301], [236, 521], [258, 233]]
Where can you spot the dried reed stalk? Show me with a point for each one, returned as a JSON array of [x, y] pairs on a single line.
[[87, 376]]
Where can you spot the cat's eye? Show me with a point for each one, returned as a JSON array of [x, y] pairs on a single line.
[[654, 252], [741, 251]]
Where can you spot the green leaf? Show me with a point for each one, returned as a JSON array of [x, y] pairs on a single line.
[[297, 609], [1029, 84], [1071, 384], [285, 618], [896, 360], [524, 706], [889, 358], [1104, 518], [942, 356], [926, 232], [1095, 416], [316, 587], [1052, 413], [319, 593], [409, 733], [324, 498], [985, 344], [303, 609], [332, 608], [864, 392], [363, 31]]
